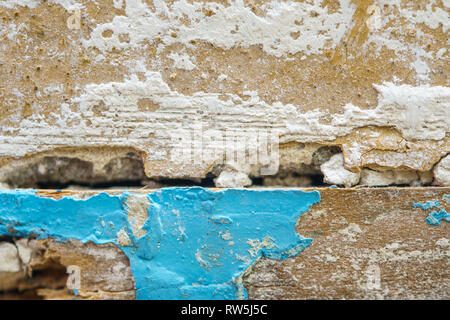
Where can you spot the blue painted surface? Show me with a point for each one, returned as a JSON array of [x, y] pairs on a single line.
[[198, 242], [434, 217], [427, 205]]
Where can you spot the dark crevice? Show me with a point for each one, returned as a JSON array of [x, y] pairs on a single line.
[[206, 182], [51, 274], [59, 172], [317, 180], [323, 154], [9, 239], [50, 172], [24, 284], [257, 181], [127, 171], [290, 179], [94, 185], [52, 270]]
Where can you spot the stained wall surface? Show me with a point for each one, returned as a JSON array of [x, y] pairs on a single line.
[[347, 98], [176, 80]]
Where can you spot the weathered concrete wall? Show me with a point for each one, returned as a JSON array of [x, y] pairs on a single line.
[[239, 93], [386, 243], [163, 77]]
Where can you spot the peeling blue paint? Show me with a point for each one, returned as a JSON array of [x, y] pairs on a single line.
[[198, 242], [434, 217], [427, 205]]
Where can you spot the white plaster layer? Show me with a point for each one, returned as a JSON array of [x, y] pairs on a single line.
[[182, 61], [229, 26], [418, 113], [394, 36]]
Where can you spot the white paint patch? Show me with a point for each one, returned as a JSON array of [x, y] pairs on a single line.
[[13, 31], [119, 268], [53, 89], [433, 17], [319, 214], [229, 26], [182, 61], [68, 4], [441, 52], [419, 113], [392, 35], [11, 4], [222, 77], [330, 258], [118, 4], [420, 65]]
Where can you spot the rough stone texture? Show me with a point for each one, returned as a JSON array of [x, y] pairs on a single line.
[[104, 270], [367, 76], [81, 166], [119, 91], [355, 233], [442, 172], [388, 177]]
